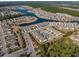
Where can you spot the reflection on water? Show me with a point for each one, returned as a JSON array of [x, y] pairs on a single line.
[[25, 11], [39, 20]]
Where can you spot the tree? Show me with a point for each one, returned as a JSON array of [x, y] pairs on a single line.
[[44, 50], [64, 48], [60, 48]]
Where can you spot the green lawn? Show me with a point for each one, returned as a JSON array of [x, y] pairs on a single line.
[[61, 10], [55, 9]]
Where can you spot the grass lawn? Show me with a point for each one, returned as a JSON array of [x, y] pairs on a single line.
[[55, 9]]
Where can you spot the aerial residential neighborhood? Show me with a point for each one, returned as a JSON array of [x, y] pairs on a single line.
[[28, 30]]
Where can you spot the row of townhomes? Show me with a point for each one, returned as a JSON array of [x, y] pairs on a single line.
[[17, 40]]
